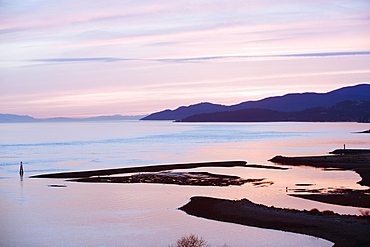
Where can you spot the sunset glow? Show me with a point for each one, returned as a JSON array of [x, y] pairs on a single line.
[[88, 58]]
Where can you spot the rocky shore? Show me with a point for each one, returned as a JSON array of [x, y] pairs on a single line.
[[344, 231]]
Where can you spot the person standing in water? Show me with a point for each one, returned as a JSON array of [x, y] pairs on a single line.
[[21, 172]]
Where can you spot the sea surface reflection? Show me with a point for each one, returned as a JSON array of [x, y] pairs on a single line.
[[84, 214]]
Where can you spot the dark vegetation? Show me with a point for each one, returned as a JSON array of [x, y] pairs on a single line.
[[191, 240]]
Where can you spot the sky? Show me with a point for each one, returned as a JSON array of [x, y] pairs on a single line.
[[90, 57]]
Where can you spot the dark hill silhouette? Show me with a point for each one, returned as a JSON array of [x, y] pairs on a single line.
[[185, 111], [11, 118], [346, 111], [286, 103]]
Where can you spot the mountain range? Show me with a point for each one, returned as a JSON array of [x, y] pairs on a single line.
[[345, 111], [12, 118], [293, 102], [350, 103]]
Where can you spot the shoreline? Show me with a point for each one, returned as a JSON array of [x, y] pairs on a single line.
[[357, 160], [343, 160], [343, 230]]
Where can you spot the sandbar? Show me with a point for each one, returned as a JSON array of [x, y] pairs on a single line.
[[334, 195], [357, 160], [343, 230], [152, 168]]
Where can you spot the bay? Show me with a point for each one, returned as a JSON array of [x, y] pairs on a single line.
[[34, 214]]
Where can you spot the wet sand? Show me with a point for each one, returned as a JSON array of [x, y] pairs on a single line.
[[342, 230]]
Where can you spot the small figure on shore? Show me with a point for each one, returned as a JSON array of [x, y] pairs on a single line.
[[344, 146], [21, 172]]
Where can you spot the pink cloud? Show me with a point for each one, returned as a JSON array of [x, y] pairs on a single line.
[[111, 55]]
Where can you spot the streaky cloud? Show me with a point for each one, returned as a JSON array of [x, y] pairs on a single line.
[[192, 59], [326, 54], [197, 59]]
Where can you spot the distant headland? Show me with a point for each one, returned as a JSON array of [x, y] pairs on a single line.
[[348, 104]]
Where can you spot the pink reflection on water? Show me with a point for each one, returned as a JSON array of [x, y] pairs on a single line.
[[123, 214], [140, 214]]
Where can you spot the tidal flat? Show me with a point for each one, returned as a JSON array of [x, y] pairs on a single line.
[[140, 214], [343, 230]]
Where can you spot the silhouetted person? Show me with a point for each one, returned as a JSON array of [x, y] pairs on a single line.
[[21, 172]]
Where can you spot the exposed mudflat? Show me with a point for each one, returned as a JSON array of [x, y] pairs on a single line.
[[180, 178]]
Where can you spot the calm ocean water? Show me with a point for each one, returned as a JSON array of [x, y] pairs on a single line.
[[33, 214]]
